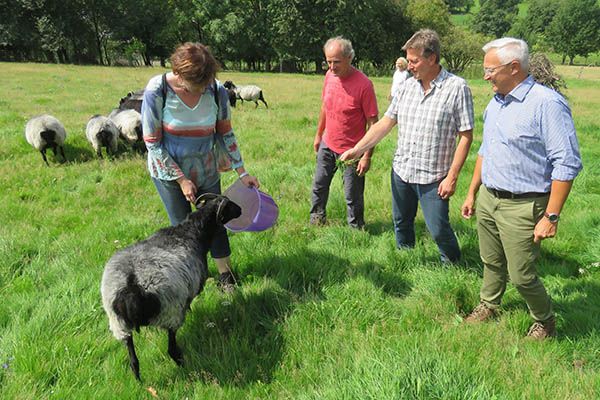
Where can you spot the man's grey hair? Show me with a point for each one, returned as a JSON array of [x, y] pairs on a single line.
[[346, 45], [427, 40], [510, 49]]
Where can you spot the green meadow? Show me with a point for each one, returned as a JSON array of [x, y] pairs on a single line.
[[322, 312]]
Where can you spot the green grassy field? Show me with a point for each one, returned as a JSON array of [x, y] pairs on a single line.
[[323, 313]]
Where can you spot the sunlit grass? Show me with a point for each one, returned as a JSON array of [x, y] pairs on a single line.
[[323, 313]]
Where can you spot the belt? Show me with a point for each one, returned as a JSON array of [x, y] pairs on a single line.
[[501, 194]]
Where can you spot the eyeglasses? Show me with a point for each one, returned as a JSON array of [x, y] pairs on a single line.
[[489, 71]]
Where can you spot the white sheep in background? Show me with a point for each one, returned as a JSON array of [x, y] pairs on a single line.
[[129, 123], [44, 132], [153, 282], [101, 132], [247, 92]]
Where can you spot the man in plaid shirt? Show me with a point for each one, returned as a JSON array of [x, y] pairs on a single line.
[[431, 109]]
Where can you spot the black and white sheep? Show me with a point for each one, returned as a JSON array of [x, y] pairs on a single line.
[[44, 132], [153, 282], [246, 92], [101, 132], [129, 123]]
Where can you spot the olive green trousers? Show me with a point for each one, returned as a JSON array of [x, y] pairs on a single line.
[[505, 229]]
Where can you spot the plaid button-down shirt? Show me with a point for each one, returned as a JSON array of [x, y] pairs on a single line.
[[428, 125]]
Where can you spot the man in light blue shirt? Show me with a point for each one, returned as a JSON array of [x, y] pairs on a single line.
[[527, 162]]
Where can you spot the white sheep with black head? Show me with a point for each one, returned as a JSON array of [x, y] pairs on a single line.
[[129, 123], [102, 132], [46, 132], [246, 92], [153, 282]]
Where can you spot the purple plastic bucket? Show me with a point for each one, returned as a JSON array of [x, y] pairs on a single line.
[[259, 211]]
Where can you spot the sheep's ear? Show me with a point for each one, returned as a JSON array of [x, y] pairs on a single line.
[[228, 210]]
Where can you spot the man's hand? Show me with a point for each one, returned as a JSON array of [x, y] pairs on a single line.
[[544, 229], [468, 207], [364, 164], [447, 188]]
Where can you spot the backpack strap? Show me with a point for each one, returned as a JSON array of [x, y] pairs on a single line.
[[216, 95], [163, 89]]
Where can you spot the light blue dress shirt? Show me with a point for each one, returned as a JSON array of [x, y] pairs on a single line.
[[528, 140]]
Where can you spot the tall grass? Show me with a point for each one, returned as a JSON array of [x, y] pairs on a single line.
[[323, 313]]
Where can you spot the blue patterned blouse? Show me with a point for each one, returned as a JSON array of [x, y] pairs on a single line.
[[180, 139]]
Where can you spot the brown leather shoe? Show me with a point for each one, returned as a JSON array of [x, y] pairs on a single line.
[[542, 330], [481, 313]]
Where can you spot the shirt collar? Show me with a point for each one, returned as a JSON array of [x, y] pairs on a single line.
[[519, 93], [440, 78]]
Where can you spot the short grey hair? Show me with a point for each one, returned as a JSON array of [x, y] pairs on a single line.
[[510, 49], [346, 45], [427, 40]]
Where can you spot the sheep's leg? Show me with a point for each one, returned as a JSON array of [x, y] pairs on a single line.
[[174, 350], [99, 153], [263, 100], [256, 102], [43, 151], [133, 360], [62, 152]]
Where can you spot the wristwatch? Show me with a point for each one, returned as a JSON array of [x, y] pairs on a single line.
[[552, 217]]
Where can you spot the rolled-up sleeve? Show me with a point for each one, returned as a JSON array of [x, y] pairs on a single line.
[[558, 132], [225, 129]]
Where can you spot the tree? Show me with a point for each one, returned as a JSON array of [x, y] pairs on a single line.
[[460, 48], [495, 17], [575, 29], [459, 6], [432, 14], [533, 26]]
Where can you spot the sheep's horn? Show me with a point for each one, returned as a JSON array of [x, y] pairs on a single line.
[[206, 197]]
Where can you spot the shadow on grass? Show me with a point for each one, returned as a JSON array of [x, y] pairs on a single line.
[[76, 154], [306, 272], [578, 309], [241, 341]]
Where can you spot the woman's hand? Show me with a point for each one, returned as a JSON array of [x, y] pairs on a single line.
[[250, 181], [188, 188]]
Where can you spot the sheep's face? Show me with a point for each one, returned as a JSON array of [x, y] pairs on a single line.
[[216, 208]]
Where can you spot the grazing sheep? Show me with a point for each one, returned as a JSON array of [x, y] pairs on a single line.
[[101, 132], [153, 282], [44, 132], [129, 123], [133, 101], [247, 92]]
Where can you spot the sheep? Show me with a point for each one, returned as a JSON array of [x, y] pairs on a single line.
[[44, 132], [132, 101], [153, 282], [102, 132], [248, 92], [129, 123]]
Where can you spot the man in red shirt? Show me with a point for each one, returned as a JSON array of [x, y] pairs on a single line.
[[349, 108]]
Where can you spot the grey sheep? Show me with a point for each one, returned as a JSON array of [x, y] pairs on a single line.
[[153, 282], [44, 132], [129, 123], [101, 132], [247, 92]]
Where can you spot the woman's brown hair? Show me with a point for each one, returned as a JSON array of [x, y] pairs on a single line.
[[194, 63]]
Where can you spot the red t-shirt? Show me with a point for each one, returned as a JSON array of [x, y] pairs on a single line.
[[348, 104]]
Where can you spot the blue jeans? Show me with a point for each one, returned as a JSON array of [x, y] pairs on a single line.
[[178, 209], [405, 199]]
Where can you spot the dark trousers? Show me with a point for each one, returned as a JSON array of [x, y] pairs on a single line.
[[405, 199], [354, 187], [178, 208]]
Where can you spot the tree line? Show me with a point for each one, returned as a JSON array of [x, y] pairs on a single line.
[[285, 35]]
